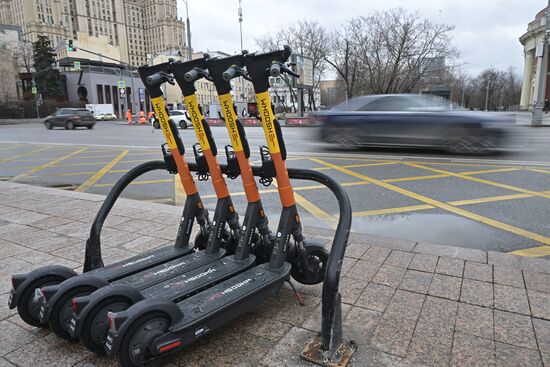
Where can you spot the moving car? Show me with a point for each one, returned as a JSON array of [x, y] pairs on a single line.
[[180, 118], [412, 120], [70, 118], [105, 117]]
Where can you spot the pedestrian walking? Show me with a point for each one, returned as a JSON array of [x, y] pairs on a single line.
[[129, 116]]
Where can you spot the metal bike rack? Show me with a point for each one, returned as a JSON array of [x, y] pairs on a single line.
[[327, 349]]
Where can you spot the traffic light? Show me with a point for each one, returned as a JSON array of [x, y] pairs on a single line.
[[71, 47]]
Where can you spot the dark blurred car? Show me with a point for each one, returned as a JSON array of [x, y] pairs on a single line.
[[70, 118], [412, 120]]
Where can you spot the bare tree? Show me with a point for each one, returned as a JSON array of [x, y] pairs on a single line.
[[23, 53], [307, 38]]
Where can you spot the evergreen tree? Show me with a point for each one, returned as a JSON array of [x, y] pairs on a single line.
[[47, 79]]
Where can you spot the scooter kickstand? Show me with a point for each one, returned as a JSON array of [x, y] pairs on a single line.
[[296, 293]]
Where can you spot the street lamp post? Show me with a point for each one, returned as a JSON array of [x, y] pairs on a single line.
[[240, 12], [188, 25]]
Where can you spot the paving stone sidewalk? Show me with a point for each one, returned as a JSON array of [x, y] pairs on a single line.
[[405, 303]]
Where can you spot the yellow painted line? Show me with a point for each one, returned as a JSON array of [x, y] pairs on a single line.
[[34, 151], [179, 192], [11, 147], [72, 174], [119, 170], [144, 182], [533, 251], [402, 209], [49, 164], [496, 170], [415, 178], [480, 180], [538, 170], [359, 165], [97, 176], [82, 164], [489, 199], [473, 216]]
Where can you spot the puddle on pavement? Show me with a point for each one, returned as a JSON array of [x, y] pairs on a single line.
[[425, 227]]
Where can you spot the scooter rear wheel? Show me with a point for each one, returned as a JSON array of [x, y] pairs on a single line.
[[133, 350], [62, 312], [95, 327], [317, 257], [28, 309]]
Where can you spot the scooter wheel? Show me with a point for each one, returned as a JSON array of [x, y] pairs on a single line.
[[133, 350], [28, 309], [95, 327], [201, 239], [317, 257], [62, 312]]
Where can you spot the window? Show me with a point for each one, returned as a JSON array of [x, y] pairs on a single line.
[[99, 94], [107, 94]]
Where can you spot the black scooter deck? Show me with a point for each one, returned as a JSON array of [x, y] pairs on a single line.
[[138, 263], [152, 276], [181, 286]]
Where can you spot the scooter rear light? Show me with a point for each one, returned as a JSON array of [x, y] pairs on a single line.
[[38, 294], [111, 316], [169, 346], [74, 306]]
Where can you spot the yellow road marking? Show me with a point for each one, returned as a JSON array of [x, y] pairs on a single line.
[[49, 164], [481, 180], [11, 147], [34, 151], [402, 209], [179, 192], [82, 164], [538, 170], [144, 182], [97, 176], [359, 165], [496, 170], [489, 199], [491, 222], [533, 251], [415, 178], [71, 174]]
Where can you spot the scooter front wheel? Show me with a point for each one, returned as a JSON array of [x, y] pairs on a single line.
[[314, 271]]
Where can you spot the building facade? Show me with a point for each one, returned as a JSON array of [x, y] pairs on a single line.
[[10, 90], [532, 41], [135, 27]]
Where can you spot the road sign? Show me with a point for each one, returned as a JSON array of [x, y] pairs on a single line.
[[304, 67], [38, 99], [121, 84], [77, 65], [122, 93], [34, 90], [141, 94]]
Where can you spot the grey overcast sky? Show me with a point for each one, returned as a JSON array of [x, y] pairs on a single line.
[[486, 32]]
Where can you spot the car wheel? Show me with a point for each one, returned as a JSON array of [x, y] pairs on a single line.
[[156, 124], [471, 145], [183, 124], [69, 125], [90, 127], [49, 125]]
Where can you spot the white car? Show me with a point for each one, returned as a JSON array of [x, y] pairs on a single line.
[[180, 118], [105, 117]]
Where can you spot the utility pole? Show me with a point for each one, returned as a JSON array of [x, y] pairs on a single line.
[[487, 96], [542, 74], [188, 25], [240, 13]]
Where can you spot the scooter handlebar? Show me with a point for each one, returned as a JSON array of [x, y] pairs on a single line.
[[191, 76], [275, 69], [159, 78], [229, 74]]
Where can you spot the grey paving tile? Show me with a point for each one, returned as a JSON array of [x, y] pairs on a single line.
[[351, 289], [313, 322], [512, 356], [439, 311], [477, 293], [445, 286], [13, 337], [537, 281], [9, 249], [264, 327], [347, 264], [389, 275], [399, 258], [511, 299], [375, 297], [356, 250], [449, 266], [285, 307], [542, 332], [360, 325], [416, 281], [384, 242], [285, 353], [405, 304], [470, 350], [422, 262], [451, 251], [431, 345], [508, 276], [511, 328], [364, 270], [475, 320], [478, 271], [376, 254], [393, 335]]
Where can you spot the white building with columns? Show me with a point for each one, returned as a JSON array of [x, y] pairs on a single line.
[[532, 51]]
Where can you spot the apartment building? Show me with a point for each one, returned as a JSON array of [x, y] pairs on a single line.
[[135, 27]]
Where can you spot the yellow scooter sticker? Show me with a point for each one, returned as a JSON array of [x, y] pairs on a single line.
[[231, 121], [268, 121], [196, 119], [162, 116]]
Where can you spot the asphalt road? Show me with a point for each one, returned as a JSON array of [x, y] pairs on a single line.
[[496, 203]]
